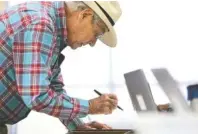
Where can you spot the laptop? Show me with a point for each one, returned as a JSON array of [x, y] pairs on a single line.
[[139, 91], [171, 89]]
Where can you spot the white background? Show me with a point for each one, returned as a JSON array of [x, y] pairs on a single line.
[[151, 34]]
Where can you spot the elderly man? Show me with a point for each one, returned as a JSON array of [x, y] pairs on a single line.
[[32, 36]]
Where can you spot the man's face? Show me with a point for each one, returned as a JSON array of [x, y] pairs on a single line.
[[82, 30]]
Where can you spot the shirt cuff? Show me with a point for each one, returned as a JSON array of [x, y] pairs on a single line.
[[81, 108], [74, 124]]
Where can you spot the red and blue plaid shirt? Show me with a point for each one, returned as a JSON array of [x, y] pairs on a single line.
[[32, 36]]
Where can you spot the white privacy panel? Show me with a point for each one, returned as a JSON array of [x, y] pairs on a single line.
[[155, 34]]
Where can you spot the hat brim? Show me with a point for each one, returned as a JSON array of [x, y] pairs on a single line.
[[109, 38]]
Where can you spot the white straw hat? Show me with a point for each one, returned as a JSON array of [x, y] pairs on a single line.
[[109, 12]]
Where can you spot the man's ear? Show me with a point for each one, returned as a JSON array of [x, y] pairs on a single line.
[[86, 13]]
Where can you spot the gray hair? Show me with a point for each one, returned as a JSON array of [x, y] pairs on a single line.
[[79, 6]]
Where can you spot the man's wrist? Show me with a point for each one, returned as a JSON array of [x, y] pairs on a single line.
[[90, 107], [83, 106], [74, 124]]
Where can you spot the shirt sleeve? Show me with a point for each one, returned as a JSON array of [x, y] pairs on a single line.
[[72, 125], [32, 52], [57, 84]]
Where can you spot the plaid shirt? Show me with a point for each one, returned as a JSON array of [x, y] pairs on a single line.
[[32, 36]]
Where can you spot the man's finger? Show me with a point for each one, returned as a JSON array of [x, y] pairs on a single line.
[[106, 126], [113, 102], [106, 104], [112, 96], [96, 125], [99, 125], [110, 103], [89, 127], [84, 127], [107, 110]]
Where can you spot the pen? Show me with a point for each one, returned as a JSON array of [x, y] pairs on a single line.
[[101, 94]]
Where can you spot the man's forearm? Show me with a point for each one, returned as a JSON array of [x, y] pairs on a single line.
[[61, 106]]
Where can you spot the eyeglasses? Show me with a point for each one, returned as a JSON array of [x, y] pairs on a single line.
[[99, 30], [102, 28], [100, 35]]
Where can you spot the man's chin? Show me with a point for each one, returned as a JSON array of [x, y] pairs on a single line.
[[73, 47]]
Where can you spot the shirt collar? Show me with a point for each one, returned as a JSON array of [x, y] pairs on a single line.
[[61, 23]]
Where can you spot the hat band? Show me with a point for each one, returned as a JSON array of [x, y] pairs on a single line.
[[106, 14]]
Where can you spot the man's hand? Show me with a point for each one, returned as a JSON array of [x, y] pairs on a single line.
[[93, 126], [104, 104]]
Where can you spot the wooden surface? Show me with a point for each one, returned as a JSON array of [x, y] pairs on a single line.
[[118, 131]]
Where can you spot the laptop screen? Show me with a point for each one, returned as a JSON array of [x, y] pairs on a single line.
[[139, 91]]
